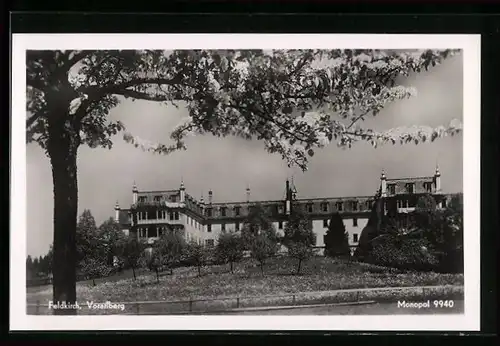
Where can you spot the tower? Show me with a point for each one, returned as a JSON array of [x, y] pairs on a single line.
[[134, 193], [182, 191], [210, 195], [117, 212], [383, 185], [248, 194], [437, 178]]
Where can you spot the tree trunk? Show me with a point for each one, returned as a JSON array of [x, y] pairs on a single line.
[[199, 270], [298, 267], [62, 149], [262, 268], [93, 281], [157, 276], [133, 272], [231, 267]]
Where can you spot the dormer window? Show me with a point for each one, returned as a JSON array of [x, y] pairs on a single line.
[[339, 206], [354, 205], [391, 188], [324, 207], [410, 188], [309, 208], [428, 186], [281, 209], [237, 211], [157, 198], [143, 199], [209, 212], [223, 211]]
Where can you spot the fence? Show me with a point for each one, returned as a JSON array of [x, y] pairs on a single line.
[[228, 304]]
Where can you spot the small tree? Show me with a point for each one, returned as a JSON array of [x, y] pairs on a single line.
[[167, 251], [257, 222], [112, 238], [299, 237], [336, 238], [131, 252], [230, 248], [262, 247], [197, 255], [93, 268]]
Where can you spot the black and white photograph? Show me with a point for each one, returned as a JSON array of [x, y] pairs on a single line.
[[321, 179]]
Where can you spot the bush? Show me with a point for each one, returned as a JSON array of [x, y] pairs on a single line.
[[402, 253]]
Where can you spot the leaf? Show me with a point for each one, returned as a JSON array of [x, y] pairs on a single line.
[[310, 152]]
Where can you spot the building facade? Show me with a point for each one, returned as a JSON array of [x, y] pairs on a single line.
[[153, 213]]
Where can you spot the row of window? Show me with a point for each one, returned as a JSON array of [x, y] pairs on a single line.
[[159, 214], [173, 198], [324, 207], [354, 222], [409, 188]]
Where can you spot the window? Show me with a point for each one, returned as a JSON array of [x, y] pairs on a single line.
[[409, 188], [369, 204], [354, 205], [339, 206], [391, 188], [325, 223], [280, 225], [209, 212], [176, 215], [223, 227], [209, 242], [428, 186], [355, 237], [237, 211], [281, 209], [324, 206], [173, 198], [309, 208], [237, 226], [222, 211], [157, 198], [355, 222], [209, 228], [152, 232], [400, 203], [443, 203], [143, 199]]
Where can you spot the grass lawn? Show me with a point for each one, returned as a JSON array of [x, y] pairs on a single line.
[[318, 274]]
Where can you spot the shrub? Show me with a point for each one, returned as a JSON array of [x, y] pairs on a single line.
[[229, 248], [403, 253]]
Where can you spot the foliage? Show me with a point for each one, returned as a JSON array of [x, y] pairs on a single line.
[[299, 237], [403, 253], [230, 248], [257, 222], [167, 251], [197, 255], [372, 228], [131, 253], [93, 268], [336, 238], [263, 247], [112, 239], [88, 242]]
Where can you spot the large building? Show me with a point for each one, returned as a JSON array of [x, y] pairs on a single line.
[[153, 213]]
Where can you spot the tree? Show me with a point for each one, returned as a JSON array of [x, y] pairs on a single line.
[[29, 267], [93, 268], [131, 252], [112, 238], [197, 255], [372, 228], [88, 242], [336, 238], [263, 247], [257, 222], [250, 94], [167, 251], [299, 237], [230, 248]]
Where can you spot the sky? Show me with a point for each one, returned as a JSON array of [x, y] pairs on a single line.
[[228, 165]]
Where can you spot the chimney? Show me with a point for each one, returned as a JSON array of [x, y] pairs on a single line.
[[210, 195], [288, 198], [182, 191], [437, 177]]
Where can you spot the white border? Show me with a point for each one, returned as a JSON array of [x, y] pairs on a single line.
[[469, 321]]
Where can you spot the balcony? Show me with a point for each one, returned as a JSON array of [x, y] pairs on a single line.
[[160, 221]]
